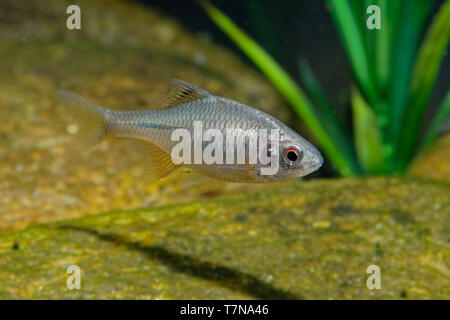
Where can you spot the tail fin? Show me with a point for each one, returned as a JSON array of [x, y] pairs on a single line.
[[90, 118]]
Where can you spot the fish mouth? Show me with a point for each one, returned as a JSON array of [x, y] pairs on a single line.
[[319, 160], [314, 163]]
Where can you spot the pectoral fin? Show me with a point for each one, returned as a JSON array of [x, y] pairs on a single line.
[[157, 163]]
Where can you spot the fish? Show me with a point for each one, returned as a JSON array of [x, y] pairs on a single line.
[[185, 106]]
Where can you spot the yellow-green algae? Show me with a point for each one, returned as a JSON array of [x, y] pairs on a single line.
[[303, 240], [434, 161]]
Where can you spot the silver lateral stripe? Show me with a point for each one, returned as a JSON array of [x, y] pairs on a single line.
[[151, 125]]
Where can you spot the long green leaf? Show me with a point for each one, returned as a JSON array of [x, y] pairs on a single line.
[[368, 139], [383, 41], [382, 47], [379, 51], [287, 87], [441, 115], [426, 69], [323, 108], [349, 29], [413, 16]]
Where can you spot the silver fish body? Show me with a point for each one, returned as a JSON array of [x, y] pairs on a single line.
[[180, 106]]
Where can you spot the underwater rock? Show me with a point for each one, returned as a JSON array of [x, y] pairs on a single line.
[[114, 61], [303, 240], [434, 162]]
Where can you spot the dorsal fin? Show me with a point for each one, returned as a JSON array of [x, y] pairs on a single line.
[[178, 92]]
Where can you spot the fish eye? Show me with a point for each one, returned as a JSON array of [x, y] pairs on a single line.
[[292, 155]]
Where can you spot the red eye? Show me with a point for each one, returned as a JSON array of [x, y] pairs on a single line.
[[292, 154]]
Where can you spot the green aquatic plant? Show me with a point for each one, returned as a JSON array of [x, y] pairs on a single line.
[[394, 72]]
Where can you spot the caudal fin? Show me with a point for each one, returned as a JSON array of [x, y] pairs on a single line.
[[90, 119]]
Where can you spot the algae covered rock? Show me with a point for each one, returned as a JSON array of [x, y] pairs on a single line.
[[302, 240], [435, 161], [114, 61]]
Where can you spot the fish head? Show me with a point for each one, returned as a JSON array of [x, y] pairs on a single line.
[[296, 157]]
